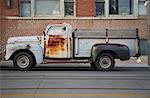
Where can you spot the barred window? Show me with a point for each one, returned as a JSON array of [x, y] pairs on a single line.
[[99, 7], [69, 7]]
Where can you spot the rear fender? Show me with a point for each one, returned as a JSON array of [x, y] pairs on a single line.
[[116, 50]]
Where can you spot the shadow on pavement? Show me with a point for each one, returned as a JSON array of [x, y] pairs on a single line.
[[47, 68]]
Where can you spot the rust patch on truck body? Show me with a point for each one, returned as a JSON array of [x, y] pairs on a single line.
[[56, 46]]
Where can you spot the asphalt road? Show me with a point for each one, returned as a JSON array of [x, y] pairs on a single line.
[[77, 81]]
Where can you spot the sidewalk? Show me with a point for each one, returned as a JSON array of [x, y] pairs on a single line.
[[133, 62]]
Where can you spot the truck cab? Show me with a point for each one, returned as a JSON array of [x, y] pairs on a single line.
[[58, 41]]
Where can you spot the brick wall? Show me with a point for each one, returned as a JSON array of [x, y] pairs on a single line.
[[14, 11], [84, 8], [35, 27]]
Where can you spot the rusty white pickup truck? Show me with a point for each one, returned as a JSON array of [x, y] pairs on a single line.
[[61, 44]]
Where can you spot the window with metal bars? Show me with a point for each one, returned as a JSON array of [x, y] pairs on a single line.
[[69, 7], [99, 7]]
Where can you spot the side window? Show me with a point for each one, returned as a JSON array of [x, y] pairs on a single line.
[[57, 30]]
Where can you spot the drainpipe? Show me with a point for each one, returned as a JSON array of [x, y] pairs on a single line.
[[147, 4]]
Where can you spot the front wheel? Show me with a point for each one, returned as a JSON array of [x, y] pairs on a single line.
[[105, 61], [23, 61]]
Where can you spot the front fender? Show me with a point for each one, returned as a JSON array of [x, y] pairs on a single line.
[[117, 50], [35, 48]]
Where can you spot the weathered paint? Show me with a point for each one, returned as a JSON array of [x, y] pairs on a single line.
[[83, 46], [85, 39], [58, 41], [18, 43], [131, 43], [56, 46]]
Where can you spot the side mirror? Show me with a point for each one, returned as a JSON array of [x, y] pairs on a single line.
[[64, 28], [75, 29], [44, 35]]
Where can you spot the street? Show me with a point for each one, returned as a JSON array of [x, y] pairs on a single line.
[[75, 81]]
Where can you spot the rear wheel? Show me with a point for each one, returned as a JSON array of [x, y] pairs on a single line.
[[23, 61], [105, 61], [93, 65]]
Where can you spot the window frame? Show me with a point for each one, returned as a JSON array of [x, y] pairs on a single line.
[[105, 16], [134, 14], [133, 7], [33, 9], [20, 1], [139, 10], [104, 1], [38, 15], [74, 8]]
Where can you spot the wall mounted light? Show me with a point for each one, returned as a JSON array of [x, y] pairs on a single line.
[[8, 3]]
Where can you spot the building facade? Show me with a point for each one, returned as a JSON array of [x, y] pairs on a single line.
[[30, 17]]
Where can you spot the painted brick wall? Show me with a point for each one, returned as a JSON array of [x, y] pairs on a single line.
[[84, 8]]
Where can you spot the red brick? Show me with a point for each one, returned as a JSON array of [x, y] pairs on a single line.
[[13, 11], [35, 27], [84, 8]]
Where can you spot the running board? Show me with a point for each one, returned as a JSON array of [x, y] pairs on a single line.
[[48, 61]]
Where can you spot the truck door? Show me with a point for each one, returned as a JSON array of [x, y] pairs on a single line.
[[57, 43]]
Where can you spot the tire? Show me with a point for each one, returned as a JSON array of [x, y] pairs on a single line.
[[23, 61], [105, 61], [93, 65]]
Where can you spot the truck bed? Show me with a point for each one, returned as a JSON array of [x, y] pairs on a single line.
[[85, 39]]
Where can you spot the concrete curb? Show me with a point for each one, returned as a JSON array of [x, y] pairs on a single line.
[[149, 68]]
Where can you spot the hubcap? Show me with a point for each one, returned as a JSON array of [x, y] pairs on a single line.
[[105, 62], [23, 61]]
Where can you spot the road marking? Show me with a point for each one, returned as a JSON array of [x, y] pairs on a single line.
[[23, 88], [74, 95]]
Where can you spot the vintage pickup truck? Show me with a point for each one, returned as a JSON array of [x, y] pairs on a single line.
[[61, 44]]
